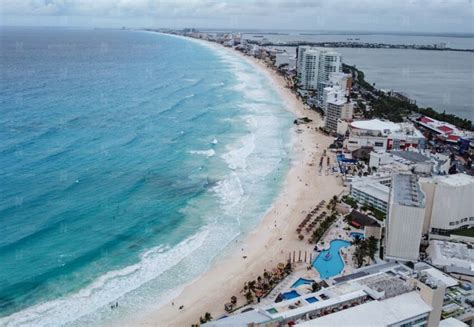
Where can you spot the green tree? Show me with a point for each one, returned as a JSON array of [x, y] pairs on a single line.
[[372, 247], [249, 297], [315, 287], [207, 316]]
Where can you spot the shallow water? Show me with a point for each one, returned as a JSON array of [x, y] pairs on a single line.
[[128, 161]]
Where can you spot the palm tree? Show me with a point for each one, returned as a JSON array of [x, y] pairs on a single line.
[[249, 297], [233, 299], [207, 316], [372, 247], [252, 285], [315, 287], [245, 288]]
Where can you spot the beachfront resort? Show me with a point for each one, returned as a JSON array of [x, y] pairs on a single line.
[[394, 247]]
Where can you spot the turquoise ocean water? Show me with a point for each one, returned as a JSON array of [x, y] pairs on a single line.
[[128, 161]]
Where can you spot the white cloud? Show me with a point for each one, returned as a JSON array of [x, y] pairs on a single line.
[[439, 15]]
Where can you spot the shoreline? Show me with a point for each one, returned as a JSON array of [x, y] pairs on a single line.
[[273, 237]]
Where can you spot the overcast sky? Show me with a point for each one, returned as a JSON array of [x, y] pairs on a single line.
[[358, 15]]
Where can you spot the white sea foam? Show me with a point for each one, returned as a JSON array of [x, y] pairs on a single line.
[[230, 192], [208, 153], [249, 159], [107, 288], [236, 158]]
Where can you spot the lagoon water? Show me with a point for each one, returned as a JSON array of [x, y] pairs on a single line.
[[129, 160], [443, 80]]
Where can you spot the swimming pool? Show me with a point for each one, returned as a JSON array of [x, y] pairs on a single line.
[[329, 262], [357, 235], [312, 299], [302, 281], [290, 295], [272, 310]]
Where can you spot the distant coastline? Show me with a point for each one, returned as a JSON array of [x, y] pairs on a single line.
[[359, 45]]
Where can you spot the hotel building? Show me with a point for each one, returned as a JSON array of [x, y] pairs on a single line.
[[449, 205], [337, 109], [372, 191], [405, 219], [386, 294], [314, 66]]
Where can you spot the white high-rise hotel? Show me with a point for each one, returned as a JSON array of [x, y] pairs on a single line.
[[314, 66], [434, 206]]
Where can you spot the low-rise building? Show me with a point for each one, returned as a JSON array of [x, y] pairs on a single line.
[[383, 135], [372, 191], [285, 59], [454, 257], [443, 130], [418, 161], [387, 294], [370, 225]]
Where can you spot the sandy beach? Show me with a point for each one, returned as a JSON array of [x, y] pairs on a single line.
[[271, 241]]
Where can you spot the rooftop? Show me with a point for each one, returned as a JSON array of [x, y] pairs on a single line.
[[406, 191], [412, 156], [377, 313], [407, 158], [451, 254], [455, 180], [373, 188], [378, 295], [375, 125], [451, 322], [363, 220], [441, 277]]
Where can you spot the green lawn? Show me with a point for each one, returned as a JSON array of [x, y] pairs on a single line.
[[469, 232]]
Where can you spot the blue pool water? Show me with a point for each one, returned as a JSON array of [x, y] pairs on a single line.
[[329, 262], [272, 310], [128, 161], [302, 281], [290, 295], [357, 235], [312, 299]]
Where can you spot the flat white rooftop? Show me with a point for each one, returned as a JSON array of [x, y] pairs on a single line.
[[455, 180], [375, 125], [376, 313], [444, 253], [440, 276], [452, 322], [373, 188]]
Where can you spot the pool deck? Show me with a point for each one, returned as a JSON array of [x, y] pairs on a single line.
[[338, 232], [300, 270]]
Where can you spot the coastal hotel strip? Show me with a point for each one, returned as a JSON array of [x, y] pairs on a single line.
[[388, 242]]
